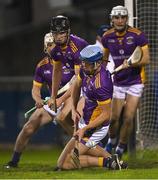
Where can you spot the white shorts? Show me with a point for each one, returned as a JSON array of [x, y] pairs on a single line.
[[51, 112], [134, 90], [97, 136]]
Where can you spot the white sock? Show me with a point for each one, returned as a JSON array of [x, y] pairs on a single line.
[[112, 141], [121, 150]]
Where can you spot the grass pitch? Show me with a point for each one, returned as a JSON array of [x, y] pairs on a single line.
[[39, 164]]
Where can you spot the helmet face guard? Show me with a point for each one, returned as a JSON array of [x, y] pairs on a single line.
[[60, 24]]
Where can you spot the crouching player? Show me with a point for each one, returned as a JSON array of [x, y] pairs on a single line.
[[43, 115], [97, 89]]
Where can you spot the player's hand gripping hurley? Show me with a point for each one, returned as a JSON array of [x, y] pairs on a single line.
[[133, 59], [62, 90]]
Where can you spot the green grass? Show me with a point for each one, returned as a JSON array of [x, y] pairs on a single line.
[[39, 164]]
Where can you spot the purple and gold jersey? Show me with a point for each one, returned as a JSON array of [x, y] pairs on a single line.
[[43, 74], [69, 55], [121, 47], [97, 90]]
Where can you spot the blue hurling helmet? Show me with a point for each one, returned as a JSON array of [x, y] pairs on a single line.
[[91, 54]]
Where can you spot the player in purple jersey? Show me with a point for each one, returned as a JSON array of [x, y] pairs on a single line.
[[65, 53], [120, 41], [43, 114], [96, 83]]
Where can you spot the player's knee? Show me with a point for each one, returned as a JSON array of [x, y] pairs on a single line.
[[61, 117], [37, 115], [67, 164], [114, 120], [28, 129], [128, 122]]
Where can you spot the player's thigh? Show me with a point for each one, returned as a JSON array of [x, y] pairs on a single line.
[[83, 149], [65, 111], [117, 106], [131, 105], [40, 117]]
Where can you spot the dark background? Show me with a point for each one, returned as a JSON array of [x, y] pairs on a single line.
[[25, 22]]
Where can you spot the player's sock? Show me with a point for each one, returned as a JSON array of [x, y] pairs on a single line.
[[105, 162], [120, 149], [16, 157], [111, 162], [14, 161], [102, 162], [112, 140], [111, 144]]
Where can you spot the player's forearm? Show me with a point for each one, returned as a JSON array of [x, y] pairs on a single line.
[[75, 95], [98, 121], [36, 98], [66, 95], [56, 79], [36, 94]]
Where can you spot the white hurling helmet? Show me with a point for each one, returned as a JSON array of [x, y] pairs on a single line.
[[119, 11], [48, 38]]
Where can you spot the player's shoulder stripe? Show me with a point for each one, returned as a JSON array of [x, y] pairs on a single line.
[[73, 46], [134, 30], [97, 81], [110, 31], [43, 62]]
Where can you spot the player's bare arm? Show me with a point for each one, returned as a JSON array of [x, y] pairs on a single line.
[[56, 79], [36, 95], [76, 89]]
